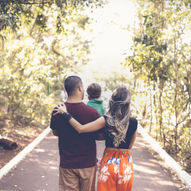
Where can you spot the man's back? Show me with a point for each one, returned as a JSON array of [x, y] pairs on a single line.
[[76, 150]]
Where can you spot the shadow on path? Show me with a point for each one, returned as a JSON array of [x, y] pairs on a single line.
[[149, 173]]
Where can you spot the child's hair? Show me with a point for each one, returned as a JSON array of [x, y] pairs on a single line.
[[94, 91]]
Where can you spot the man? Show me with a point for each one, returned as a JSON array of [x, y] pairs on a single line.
[[77, 151]]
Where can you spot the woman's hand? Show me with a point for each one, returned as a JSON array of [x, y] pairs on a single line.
[[60, 109]]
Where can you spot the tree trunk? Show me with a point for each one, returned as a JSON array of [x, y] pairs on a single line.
[[151, 114], [175, 98], [8, 144], [161, 85], [155, 110]]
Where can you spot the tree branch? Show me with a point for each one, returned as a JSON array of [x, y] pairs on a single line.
[[28, 2]]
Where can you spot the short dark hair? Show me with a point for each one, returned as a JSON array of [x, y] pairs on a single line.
[[71, 83], [94, 91]]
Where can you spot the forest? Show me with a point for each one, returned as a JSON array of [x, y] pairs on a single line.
[[161, 64], [41, 42]]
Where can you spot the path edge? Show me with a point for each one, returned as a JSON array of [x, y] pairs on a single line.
[[21, 155], [169, 161]]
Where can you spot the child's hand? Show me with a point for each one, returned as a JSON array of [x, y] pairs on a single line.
[[60, 109]]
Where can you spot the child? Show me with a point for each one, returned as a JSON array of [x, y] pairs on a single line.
[[94, 93]]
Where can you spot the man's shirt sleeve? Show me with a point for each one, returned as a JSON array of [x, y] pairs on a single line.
[[56, 121], [53, 121]]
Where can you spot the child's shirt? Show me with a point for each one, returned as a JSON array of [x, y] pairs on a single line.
[[98, 105]]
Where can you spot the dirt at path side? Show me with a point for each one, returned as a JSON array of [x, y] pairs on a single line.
[[22, 136], [38, 171]]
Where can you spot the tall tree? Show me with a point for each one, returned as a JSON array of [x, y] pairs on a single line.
[[160, 60]]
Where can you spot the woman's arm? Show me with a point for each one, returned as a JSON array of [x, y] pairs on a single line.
[[133, 140], [89, 127]]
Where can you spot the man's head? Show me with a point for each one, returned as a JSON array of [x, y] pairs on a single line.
[[94, 91], [73, 86]]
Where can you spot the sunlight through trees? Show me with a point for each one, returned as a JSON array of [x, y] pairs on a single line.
[[41, 42], [161, 64]]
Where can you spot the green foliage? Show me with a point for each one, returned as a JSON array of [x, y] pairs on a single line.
[[161, 60], [11, 10], [44, 46]]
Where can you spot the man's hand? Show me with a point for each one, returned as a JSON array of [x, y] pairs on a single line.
[[60, 109]]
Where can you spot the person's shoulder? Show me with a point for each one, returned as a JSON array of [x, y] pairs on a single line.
[[133, 121], [53, 111], [91, 109]]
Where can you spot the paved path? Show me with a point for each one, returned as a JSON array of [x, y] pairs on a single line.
[[39, 170], [150, 172]]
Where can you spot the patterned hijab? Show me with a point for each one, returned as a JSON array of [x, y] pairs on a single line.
[[117, 118]]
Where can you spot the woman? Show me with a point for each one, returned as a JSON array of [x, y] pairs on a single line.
[[116, 166]]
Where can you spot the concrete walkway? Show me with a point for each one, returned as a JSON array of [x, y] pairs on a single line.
[[39, 170]]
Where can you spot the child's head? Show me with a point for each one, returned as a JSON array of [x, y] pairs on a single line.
[[94, 91]]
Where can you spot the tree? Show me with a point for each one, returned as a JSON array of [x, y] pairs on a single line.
[[161, 62], [41, 43], [10, 11]]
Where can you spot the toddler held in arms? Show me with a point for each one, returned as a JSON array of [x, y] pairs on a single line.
[[94, 93]]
